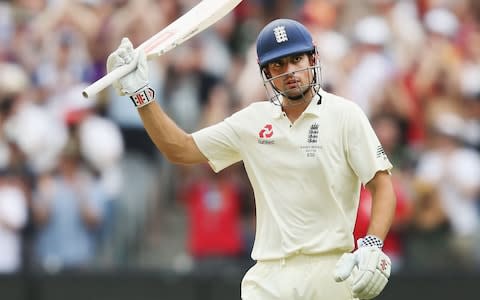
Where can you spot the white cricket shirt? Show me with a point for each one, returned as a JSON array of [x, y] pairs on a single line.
[[306, 176]]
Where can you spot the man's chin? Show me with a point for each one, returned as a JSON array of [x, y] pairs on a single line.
[[296, 94], [295, 97]]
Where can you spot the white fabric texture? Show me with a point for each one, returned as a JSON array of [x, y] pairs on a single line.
[[298, 277]]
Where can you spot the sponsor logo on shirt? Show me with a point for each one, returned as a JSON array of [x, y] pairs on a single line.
[[265, 134]]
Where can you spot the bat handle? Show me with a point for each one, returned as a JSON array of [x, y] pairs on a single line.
[[108, 79]]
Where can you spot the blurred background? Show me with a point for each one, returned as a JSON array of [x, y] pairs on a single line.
[[90, 210]]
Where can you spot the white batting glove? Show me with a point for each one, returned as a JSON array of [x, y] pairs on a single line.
[[134, 84], [372, 268]]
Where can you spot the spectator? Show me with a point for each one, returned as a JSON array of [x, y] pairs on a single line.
[[215, 238], [68, 212], [102, 148], [372, 67], [438, 62], [469, 79], [13, 216], [449, 174]]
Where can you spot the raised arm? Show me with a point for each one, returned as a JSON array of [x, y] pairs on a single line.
[[177, 146], [172, 141]]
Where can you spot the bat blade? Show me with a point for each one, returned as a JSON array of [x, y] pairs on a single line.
[[197, 19]]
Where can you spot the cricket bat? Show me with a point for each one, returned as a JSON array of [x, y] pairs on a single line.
[[200, 17]]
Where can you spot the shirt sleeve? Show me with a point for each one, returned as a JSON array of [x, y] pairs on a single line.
[[219, 143], [364, 151]]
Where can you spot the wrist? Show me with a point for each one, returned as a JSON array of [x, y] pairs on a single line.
[[370, 241], [143, 97]]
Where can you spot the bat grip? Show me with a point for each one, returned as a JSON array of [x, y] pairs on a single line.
[[108, 79]]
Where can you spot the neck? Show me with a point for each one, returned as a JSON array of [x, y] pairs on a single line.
[[294, 108]]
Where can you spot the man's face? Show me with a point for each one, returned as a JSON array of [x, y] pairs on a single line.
[[291, 75]]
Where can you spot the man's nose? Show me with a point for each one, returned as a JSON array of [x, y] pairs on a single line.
[[291, 68]]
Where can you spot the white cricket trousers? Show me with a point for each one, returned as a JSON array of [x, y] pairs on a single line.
[[298, 277]]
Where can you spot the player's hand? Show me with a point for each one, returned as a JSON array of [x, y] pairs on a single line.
[[134, 84], [370, 268]]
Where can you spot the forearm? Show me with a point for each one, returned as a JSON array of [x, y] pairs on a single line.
[[172, 141], [383, 205]]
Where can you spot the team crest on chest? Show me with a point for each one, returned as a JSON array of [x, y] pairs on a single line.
[[312, 147], [313, 134]]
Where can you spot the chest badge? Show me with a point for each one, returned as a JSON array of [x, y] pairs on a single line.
[[312, 147], [313, 134]]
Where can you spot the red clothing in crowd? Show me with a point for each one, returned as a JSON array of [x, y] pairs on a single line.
[[393, 242], [213, 208]]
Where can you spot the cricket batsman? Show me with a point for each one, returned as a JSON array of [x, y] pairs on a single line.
[[306, 152]]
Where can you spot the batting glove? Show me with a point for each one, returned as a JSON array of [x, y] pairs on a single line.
[[134, 84], [372, 268]]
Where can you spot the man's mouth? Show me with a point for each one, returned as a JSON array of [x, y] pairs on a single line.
[[292, 83]]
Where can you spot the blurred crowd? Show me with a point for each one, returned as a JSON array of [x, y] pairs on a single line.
[[82, 186]]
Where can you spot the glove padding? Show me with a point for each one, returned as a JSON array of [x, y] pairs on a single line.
[[371, 274], [135, 81]]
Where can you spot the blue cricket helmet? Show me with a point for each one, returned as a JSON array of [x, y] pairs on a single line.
[[280, 38]]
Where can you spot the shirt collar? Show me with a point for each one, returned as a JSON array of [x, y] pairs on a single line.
[[277, 111], [312, 108]]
